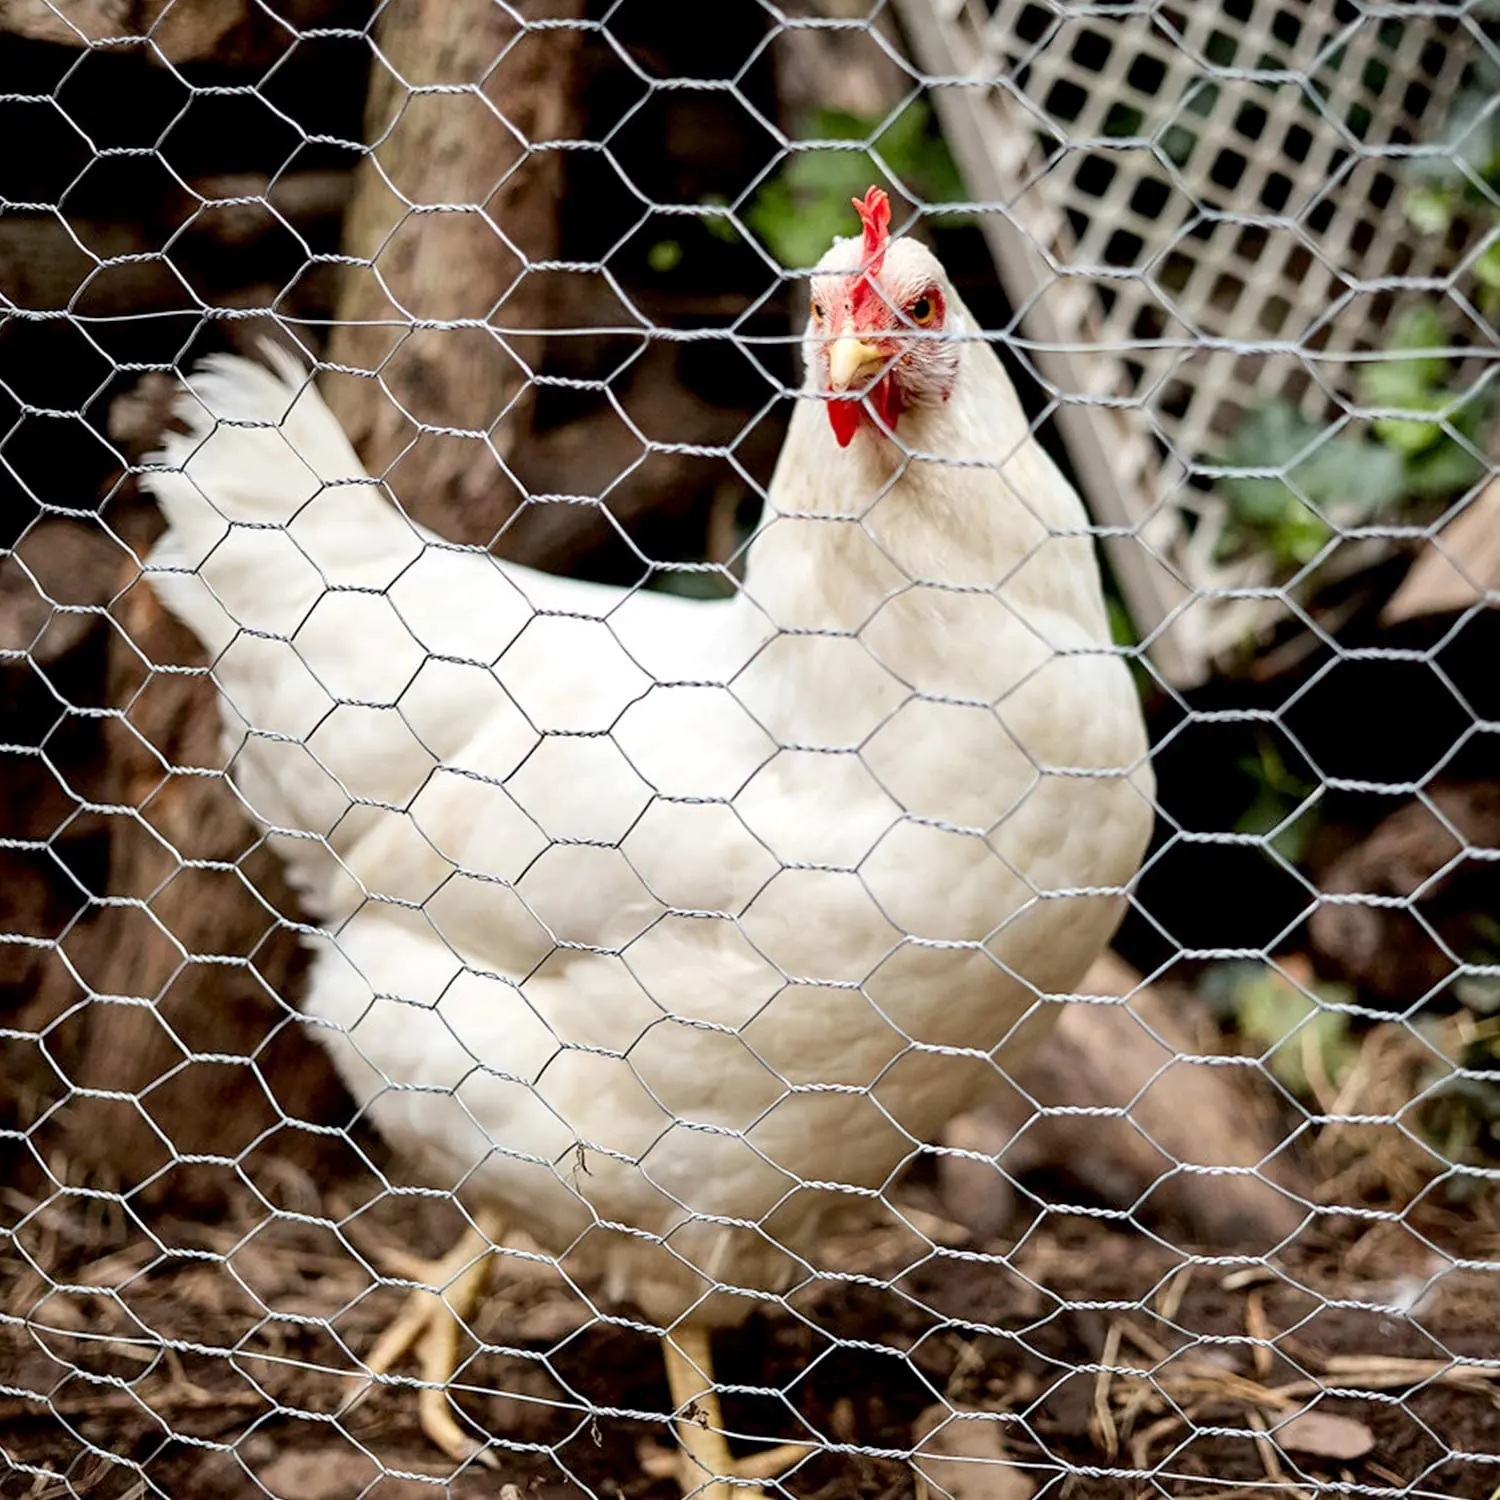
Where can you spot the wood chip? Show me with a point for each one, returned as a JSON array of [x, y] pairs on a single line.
[[1258, 1326], [962, 1454], [1269, 1458], [1454, 571], [1106, 1434], [1140, 1444], [1136, 1059], [1169, 1300], [1325, 1434], [1251, 1276]]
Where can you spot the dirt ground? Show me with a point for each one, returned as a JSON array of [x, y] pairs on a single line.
[[167, 1357]]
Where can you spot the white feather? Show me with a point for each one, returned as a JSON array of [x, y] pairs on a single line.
[[643, 912]]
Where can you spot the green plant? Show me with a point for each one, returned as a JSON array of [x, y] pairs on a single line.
[[1301, 1039], [1323, 474], [1278, 794], [806, 204], [1480, 993], [1460, 1117], [1462, 180], [1425, 446], [1437, 442]]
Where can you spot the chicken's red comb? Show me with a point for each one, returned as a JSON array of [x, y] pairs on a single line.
[[875, 214], [874, 211]]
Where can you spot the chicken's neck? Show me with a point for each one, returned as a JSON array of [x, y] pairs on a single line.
[[972, 509]]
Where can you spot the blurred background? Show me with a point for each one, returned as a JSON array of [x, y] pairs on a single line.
[[1242, 260]]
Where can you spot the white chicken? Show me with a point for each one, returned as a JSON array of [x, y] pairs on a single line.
[[668, 930]]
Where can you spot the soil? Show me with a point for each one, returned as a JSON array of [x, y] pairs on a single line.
[[216, 1362]]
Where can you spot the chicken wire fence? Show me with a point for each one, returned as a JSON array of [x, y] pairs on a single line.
[[1225, 1230]]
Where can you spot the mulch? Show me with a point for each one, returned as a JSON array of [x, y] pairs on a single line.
[[160, 1355]]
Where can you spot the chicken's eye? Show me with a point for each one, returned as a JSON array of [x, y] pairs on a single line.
[[817, 311], [922, 312]]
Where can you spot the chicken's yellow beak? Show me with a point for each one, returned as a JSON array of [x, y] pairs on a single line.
[[851, 360]]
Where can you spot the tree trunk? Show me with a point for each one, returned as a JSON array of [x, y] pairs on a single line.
[[178, 991], [171, 1005], [451, 209], [181, 31]]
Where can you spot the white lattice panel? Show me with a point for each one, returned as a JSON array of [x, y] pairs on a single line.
[[1200, 207]]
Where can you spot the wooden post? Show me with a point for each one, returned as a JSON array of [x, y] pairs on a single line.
[[450, 208], [201, 887], [196, 966]]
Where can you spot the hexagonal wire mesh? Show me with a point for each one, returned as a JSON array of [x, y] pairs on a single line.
[[722, 973]]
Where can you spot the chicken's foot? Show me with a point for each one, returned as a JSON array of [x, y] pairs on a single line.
[[450, 1290], [705, 1461]]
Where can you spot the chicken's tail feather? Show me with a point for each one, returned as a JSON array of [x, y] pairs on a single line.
[[259, 444], [265, 500], [277, 554]]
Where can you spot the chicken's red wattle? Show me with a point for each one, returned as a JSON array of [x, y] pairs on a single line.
[[845, 416]]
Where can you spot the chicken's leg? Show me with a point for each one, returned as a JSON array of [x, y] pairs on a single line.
[[429, 1324], [705, 1460]]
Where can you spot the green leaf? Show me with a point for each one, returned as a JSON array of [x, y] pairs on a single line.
[[1299, 535], [1347, 473], [1324, 477], [1407, 437], [798, 219], [721, 226], [664, 256], [1411, 382], [1429, 209], [1278, 795], [1474, 132], [1405, 383], [1257, 502], [1421, 328], [1273, 1015], [1446, 470], [1412, 370], [1487, 267], [801, 210]]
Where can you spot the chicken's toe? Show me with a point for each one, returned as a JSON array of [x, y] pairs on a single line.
[[436, 1411], [703, 1460], [428, 1325]]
